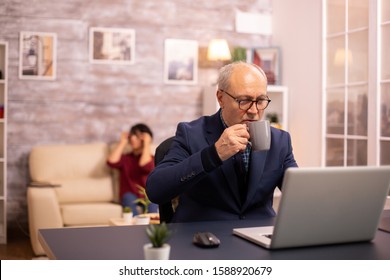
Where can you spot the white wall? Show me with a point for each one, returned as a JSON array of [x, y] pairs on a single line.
[[297, 30]]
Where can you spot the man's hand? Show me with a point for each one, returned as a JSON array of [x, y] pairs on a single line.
[[234, 139]]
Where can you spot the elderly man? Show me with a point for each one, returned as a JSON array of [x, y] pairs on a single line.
[[210, 165]]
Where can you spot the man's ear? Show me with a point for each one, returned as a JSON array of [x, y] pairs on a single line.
[[219, 95]]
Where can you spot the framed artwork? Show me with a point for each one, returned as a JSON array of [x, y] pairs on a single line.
[[181, 62], [37, 55], [111, 45], [269, 60]]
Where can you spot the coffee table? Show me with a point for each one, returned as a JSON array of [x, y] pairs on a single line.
[[154, 219]]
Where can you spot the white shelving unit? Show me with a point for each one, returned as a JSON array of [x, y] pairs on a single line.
[[3, 140], [278, 105]]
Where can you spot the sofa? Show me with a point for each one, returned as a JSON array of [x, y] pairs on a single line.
[[71, 186]]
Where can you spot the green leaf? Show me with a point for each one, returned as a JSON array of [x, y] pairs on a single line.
[[127, 209], [158, 234], [143, 200]]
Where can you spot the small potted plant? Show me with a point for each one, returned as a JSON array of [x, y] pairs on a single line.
[[158, 249], [127, 215], [274, 120], [239, 54], [143, 219]]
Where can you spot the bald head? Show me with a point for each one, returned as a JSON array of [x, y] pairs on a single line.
[[237, 72]]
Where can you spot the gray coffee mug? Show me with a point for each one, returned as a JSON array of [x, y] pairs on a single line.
[[260, 135]]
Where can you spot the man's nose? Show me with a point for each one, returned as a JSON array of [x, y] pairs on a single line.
[[253, 109]]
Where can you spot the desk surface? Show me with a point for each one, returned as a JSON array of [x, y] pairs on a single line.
[[126, 242]]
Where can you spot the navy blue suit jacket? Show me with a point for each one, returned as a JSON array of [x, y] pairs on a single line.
[[214, 194]]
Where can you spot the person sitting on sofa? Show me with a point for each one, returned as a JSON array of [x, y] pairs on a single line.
[[135, 166]]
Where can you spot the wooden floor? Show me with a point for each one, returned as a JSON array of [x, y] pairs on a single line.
[[18, 246]]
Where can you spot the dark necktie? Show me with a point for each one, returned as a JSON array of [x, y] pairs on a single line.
[[241, 170]]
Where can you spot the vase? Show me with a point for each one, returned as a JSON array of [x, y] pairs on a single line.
[[152, 253], [142, 219], [128, 218]]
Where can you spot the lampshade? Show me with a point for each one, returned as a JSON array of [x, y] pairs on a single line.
[[218, 50]]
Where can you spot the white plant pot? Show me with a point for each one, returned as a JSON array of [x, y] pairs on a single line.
[[128, 218], [141, 219], [151, 253]]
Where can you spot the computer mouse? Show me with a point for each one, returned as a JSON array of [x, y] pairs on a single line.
[[205, 240]]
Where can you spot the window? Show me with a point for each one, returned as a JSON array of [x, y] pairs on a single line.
[[384, 155], [352, 59]]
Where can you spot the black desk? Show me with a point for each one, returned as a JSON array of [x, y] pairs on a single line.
[[126, 242]]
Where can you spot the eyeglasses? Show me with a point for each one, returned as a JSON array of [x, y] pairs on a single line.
[[246, 104]]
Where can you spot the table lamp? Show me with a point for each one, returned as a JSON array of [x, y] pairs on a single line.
[[218, 50]]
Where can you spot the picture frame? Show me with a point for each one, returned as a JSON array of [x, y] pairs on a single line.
[[269, 60], [180, 62], [111, 45], [37, 55]]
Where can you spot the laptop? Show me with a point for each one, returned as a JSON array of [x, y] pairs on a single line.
[[321, 206]]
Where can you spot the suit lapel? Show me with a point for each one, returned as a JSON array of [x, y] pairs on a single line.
[[229, 170], [214, 128]]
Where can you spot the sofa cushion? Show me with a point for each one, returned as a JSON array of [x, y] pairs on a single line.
[[85, 190], [89, 213], [49, 163]]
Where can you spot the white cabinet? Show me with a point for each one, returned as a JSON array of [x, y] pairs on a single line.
[[278, 104], [3, 140]]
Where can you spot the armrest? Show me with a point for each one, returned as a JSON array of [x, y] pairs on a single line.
[[43, 185], [43, 212]]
